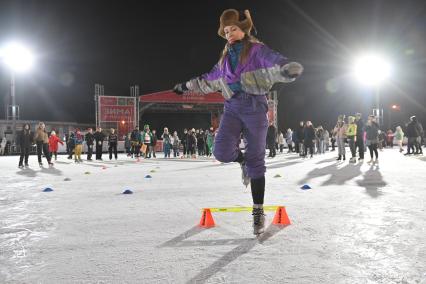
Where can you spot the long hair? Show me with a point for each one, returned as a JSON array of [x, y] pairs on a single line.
[[248, 41]]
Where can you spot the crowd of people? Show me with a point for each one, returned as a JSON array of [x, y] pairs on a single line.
[[304, 140], [351, 131], [193, 143]]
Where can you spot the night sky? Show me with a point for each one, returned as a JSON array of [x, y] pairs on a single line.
[[156, 45]]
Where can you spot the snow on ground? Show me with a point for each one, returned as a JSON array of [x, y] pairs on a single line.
[[358, 223]]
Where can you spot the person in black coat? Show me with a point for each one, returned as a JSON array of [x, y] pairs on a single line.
[[200, 142], [71, 145], [112, 144], [90, 138], [154, 142], [99, 138], [359, 136], [184, 142], [271, 137], [308, 139], [25, 140], [192, 143]]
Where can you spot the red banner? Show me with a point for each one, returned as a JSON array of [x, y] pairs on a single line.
[[116, 113], [187, 98], [105, 100]]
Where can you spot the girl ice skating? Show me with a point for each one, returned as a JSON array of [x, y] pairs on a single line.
[[245, 73]]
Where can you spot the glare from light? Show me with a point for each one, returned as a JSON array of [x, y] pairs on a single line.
[[17, 57], [394, 106], [371, 70]]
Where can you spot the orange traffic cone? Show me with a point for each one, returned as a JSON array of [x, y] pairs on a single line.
[[281, 217], [207, 219]]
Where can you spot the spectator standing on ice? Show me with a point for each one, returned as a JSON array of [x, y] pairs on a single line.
[[320, 140], [359, 136], [418, 132], [289, 140], [78, 146], [340, 133], [271, 137], [112, 143], [399, 137], [154, 142], [389, 138], [3, 146], [200, 142], [372, 135], [184, 142], [245, 63], [326, 140], [192, 144], [71, 145], [127, 144], [147, 141], [42, 142], [135, 141], [175, 144], [308, 139], [210, 141], [300, 133], [89, 138], [25, 140], [99, 139], [351, 136], [166, 142], [281, 142], [53, 144]]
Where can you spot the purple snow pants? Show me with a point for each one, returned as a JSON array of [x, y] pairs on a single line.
[[246, 114]]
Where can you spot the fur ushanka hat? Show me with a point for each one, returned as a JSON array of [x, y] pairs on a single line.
[[233, 17]]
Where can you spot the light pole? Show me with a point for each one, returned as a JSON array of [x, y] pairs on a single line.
[[18, 59], [372, 70]]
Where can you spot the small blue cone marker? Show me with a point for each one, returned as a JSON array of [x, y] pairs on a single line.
[[47, 189], [306, 187], [127, 191], [148, 176]]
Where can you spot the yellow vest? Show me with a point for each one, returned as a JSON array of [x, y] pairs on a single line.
[[351, 131]]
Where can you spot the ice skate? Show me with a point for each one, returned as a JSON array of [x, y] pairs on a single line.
[[370, 162], [258, 221], [352, 160], [40, 164], [51, 164], [339, 158], [21, 166], [27, 166]]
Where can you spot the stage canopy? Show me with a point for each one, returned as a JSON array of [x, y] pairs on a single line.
[[170, 102]]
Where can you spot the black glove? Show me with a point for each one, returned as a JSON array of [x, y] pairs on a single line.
[[180, 88]]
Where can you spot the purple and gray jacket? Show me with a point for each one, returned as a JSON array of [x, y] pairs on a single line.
[[262, 69]]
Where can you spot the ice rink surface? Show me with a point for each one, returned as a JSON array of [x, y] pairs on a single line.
[[358, 223]]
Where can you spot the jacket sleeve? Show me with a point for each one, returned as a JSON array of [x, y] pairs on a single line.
[[207, 83], [276, 63]]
